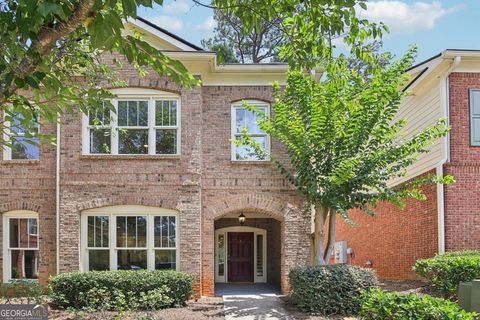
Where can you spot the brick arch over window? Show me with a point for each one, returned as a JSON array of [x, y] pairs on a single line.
[[249, 98], [294, 232], [144, 201], [19, 205]]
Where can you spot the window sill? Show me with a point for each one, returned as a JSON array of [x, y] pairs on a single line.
[[130, 157], [21, 162], [251, 162]]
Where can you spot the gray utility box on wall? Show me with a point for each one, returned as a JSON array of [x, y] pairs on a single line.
[[340, 252], [469, 295]]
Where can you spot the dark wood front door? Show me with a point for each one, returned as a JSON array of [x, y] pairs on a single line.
[[240, 257]]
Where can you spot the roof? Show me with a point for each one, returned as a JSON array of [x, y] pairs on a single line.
[[168, 33]]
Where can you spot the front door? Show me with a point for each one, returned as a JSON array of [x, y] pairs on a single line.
[[240, 256]]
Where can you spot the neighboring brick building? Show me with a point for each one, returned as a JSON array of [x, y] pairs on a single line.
[[159, 185], [445, 86]]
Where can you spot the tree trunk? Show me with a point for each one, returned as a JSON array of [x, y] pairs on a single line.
[[321, 251]]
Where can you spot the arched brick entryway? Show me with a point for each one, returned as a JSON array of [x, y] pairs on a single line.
[[293, 232]]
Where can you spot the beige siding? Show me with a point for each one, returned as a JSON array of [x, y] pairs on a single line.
[[422, 109]]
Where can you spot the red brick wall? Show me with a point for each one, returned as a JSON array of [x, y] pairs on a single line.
[[462, 203], [395, 238]]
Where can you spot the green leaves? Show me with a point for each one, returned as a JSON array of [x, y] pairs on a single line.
[[52, 55], [344, 140]]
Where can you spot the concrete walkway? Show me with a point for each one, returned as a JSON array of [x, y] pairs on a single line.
[[252, 302]]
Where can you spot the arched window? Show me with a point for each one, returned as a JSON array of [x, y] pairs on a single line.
[[146, 122], [130, 238], [243, 119], [20, 245]]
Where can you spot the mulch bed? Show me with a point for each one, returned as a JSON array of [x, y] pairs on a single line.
[[202, 309]]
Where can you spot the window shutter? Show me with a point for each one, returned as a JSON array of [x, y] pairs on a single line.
[[475, 117]]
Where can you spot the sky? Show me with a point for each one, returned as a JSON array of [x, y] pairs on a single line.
[[433, 25]]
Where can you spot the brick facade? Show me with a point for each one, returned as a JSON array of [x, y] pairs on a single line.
[[462, 204], [202, 184], [396, 238]]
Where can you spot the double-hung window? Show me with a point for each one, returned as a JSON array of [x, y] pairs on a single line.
[[141, 125], [475, 117], [129, 238], [22, 143], [21, 254], [245, 120]]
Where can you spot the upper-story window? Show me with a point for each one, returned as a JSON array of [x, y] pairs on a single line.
[[145, 122], [243, 119], [21, 143], [475, 117]]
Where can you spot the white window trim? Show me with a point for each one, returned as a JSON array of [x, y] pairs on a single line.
[[239, 104], [7, 263], [256, 231], [139, 94], [127, 210], [7, 151]]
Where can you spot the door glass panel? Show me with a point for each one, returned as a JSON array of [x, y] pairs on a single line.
[[259, 255], [221, 255]]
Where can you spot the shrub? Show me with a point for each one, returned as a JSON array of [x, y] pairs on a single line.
[[121, 290], [377, 304], [330, 289], [446, 271]]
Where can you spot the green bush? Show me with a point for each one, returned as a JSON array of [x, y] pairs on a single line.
[[121, 290], [377, 304], [448, 270], [330, 289]]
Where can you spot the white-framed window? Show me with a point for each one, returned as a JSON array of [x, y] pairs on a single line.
[[146, 122], [20, 245], [130, 238], [244, 119], [20, 143]]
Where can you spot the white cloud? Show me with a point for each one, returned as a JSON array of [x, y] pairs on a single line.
[[208, 25], [404, 17], [168, 22], [177, 7]]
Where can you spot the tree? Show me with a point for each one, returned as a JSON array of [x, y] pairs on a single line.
[[224, 53], [50, 49], [261, 44], [344, 142]]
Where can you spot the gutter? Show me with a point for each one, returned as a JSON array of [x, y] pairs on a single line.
[[57, 197], [444, 103]]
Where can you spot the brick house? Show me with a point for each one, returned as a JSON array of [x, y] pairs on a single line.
[[159, 185], [444, 86]]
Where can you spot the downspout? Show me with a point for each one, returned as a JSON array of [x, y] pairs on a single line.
[[444, 103], [57, 196]]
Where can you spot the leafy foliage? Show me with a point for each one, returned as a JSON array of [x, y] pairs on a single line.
[[343, 139], [121, 290], [446, 271], [330, 289], [49, 56], [308, 26], [380, 305], [233, 44]]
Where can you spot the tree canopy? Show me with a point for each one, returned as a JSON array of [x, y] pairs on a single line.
[[233, 44], [344, 141]]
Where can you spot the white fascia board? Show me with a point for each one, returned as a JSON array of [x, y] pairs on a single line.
[[180, 45]]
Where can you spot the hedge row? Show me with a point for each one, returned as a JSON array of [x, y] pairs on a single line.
[[331, 289], [446, 271], [377, 304], [122, 289]]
